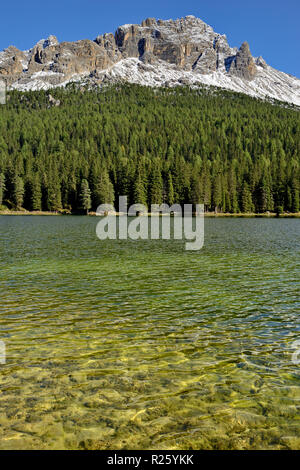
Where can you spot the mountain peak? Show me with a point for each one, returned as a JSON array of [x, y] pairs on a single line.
[[50, 41], [243, 64], [245, 47]]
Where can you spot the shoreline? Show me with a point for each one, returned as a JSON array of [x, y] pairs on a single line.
[[207, 214]]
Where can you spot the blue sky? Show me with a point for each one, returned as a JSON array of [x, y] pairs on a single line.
[[271, 27]]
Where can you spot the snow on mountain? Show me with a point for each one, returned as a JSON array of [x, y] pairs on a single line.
[[268, 82]]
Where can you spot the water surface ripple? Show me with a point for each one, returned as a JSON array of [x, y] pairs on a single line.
[[142, 345]]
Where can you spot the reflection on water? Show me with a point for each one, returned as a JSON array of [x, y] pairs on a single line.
[[142, 345]]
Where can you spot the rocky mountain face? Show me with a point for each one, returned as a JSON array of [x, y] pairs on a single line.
[[186, 51]]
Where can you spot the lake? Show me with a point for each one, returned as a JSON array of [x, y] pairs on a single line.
[[143, 345]]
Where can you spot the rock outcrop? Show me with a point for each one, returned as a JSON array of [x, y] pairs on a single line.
[[243, 65], [11, 62], [53, 101], [188, 43]]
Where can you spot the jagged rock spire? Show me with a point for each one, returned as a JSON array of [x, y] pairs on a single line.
[[243, 65]]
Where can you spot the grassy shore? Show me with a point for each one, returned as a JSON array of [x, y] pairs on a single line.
[[24, 212], [93, 214]]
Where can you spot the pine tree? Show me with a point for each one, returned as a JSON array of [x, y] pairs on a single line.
[[54, 196], [289, 199], [36, 197], [217, 193], [140, 185], [85, 196], [156, 186], [246, 199], [206, 190], [295, 201], [233, 195], [180, 184], [104, 190], [139, 191], [18, 192], [196, 190], [265, 200], [170, 190]]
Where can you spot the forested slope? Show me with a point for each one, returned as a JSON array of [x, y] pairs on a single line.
[[229, 151]]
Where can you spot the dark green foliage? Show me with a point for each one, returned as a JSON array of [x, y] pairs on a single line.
[[2, 187], [246, 199], [18, 193], [264, 196], [229, 151], [36, 196], [85, 195], [140, 184], [156, 184], [103, 189], [170, 190], [296, 201]]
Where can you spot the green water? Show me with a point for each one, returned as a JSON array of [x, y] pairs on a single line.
[[142, 345]]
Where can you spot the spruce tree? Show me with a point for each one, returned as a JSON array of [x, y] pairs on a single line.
[[196, 190], [139, 185], [295, 201], [156, 186], [36, 201], [206, 189], [2, 188], [139, 191], [217, 193], [246, 199], [18, 192], [265, 200], [170, 190], [85, 196], [104, 190], [54, 196]]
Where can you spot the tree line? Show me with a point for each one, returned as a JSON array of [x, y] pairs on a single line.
[[229, 151]]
